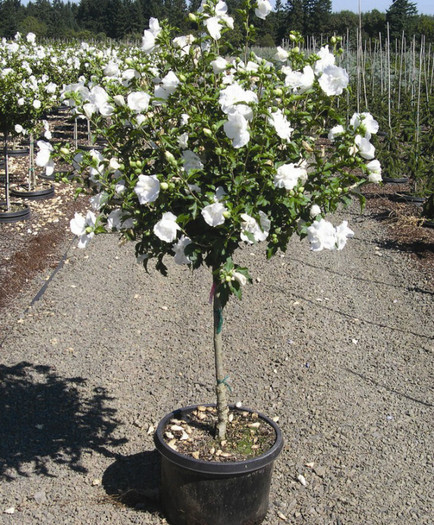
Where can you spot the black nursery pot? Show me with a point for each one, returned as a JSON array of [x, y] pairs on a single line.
[[407, 197], [40, 194], [197, 492], [21, 213]]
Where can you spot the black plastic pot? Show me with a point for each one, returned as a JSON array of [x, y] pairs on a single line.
[[46, 177], [90, 147], [60, 110], [66, 127], [396, 180], [39, 194], [197, 492], [23, 213], [57, 174], [20, 152], [407, 197]]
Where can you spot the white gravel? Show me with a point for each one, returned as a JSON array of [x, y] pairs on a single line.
[[338, 345]]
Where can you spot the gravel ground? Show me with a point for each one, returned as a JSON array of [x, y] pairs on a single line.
[[338, 345]]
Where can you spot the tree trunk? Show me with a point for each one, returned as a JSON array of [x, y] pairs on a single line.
[[7, 181], [32, 174], [222, 403]]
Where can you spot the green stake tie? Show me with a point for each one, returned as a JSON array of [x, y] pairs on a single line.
[[224, 382], [219, 313]]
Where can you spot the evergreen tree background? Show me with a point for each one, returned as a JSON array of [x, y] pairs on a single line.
[[401, 16]]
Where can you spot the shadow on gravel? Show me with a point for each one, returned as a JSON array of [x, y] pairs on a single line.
[[44, 420], [133, 481], [358, 277], [380, 216], [420, 248], [392, 390]]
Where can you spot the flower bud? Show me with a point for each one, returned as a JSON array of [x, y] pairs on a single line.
[[333, 40], [119, 100], [64, 151], [314, 211], [226, 214], [278, 92], [228, 278], [182, 77], [169, 157], [113, 164], [306, 146], [192, 17], [129, 61], [164, 186], [207, 132], [292, 37], [295, 49]]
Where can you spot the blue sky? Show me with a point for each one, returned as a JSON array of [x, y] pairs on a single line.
[[423, 6]]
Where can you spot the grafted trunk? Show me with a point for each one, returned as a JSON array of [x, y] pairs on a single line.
[[221, 386], [7, 181]]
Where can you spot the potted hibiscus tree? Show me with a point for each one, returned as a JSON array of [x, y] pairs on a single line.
[[209, 148], [27, 94]]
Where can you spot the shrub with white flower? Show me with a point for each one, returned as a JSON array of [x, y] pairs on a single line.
[[31, 77], [216, 151], [28, 89]]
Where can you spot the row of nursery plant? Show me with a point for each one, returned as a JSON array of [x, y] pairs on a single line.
[[397, 84], [32, 78], [394, 80]]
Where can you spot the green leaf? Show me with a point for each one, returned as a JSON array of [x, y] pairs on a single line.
[[236, 289]]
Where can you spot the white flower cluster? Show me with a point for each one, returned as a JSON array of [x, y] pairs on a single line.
[[323, 235], [216, 18], [332, 79], [150, 35], [367, 126]]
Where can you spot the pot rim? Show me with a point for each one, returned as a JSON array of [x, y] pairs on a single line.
[[22, 214], [213, 467]]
